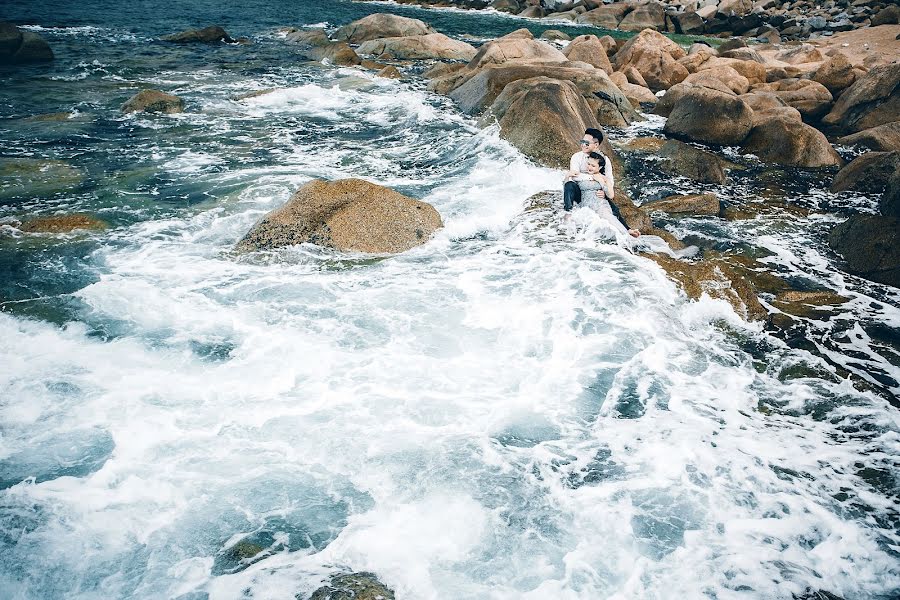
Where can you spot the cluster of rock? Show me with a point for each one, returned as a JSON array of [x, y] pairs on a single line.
[[769, 19], [20, 46]]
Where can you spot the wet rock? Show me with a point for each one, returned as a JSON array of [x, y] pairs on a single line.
[[555, 34], [431, 45], [655, 57], [884, 138], [62, 224], [348, 214], [254, 94], [353, 586], [153, 101], [381, 25], [782, 139], [32, 177], [698, 165], [808, 304], [651, 15], [691, 204], [871, 172], [589, 49], [836, 74], [310, 37], [709, 116], [20, 46], [717, 279], [207, 35], [441, 70], [390, 72], [870, 245], [874, 99], [541, 116]]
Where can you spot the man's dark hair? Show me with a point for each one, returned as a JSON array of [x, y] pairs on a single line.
[[595, 133]]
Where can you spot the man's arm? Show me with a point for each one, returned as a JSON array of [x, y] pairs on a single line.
[[608, 173]]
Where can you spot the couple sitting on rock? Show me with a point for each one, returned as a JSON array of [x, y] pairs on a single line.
[[590, 172]]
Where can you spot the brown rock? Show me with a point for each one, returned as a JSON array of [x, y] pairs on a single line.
[[836, 73], [884, 138], [752, 70], [207, 35], [589, 49], [655, 57], [541, 116], [677, 92], [804, 53], [735, 8], [692, 204], [556, 34], [381, 25], [348, 214], [709, 116], [607, 17], [441, 70], [871, 172], [390, 72], [736, 82], [872, 100], [311, 37], [870, 245], [431, 45], [62, 224], [153, 101], [509, 49], [651, 15], [634, 76], [355, 586], [807, 304], [811, 98], [637, 94], [684, 160], [786, 141]]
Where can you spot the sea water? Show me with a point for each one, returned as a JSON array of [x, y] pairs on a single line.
[[516, 409]]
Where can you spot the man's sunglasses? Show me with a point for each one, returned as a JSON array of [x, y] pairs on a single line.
[[585, 142]]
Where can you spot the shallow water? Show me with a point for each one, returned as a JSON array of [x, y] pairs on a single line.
[[517, 409]]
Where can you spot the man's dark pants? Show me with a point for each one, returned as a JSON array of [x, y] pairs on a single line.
[[571, 194]]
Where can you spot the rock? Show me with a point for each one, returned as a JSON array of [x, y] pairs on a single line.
[[607, 17], [316, 46], [811, 98], [693, 204], [254, 94], [555, 34], [610, 106], [390, 72], [874, 99], [709, 116], [353, 586], [541, 116], [871, 173], [509, 6], [348, 214], [19, 46], [783, 140], [655, 57], [763, 100], [381, 25], [689, 23], [752, 70], [887, 16], [62, 224], [677, 92], [807, 304], [532, 12], [589, 49], [153, 101], [804, 53], [311, 37], [870, 245], [431, 45], [637, 94], [207, 35], [32, 177], [634, 76], [651, 15], [442, 70], [509, 49], [698, 165], [836, 74], [736, 82], [884, 138], [717, 279], [735, 8]]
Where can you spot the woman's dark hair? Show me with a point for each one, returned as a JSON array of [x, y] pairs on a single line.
[[595, 133], [597, 156]]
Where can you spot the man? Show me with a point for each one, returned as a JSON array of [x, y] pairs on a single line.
[[578, 168]]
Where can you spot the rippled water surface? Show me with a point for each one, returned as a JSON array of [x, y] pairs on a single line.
[[517, 409]]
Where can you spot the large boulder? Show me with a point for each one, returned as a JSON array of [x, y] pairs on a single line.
[[507, 49], [610, 106], [431, 45], [677, 92], [655, 57], [871, 172], [315, 45], [811, 98], [348, 214], [752, 70], [651, 15], [684, 160], [153, 101], [207, 35], [735, 8], [589, 49], [710, 116], [689, 23], [736, 82], [836, 74], [870, 245], [541, 116], [883, 138], [780, 138], [381, 25], [874, 99], [607, 16], [19, 46]]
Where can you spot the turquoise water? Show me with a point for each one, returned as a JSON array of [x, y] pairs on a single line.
[[517, 409]]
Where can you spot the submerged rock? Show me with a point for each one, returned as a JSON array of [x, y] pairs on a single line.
[[153, 101], [353, 586], [691, 204], [62, 223], [207, 35], [348, 214], [19, 46], [34, 177]]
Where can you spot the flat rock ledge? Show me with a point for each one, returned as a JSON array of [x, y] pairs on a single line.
[[353, 586], [347, 214]]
